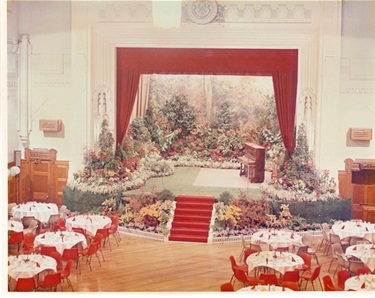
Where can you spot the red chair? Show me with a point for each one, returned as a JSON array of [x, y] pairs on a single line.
[[290, 285], [60, 224], [363, 270], [115, 223], [25, 284], [81, 231], [306, 266], [342, 276], [113, 230], [88, 252], [51, 280], [235, 266], [226, 287], [16, 238], [72, 254], [328, 284], [65, 273], [99, 239], [105, 233], [58, 258], [247, 253], [269, 278], [47, 250], [28, 244], [241, 276], [311, 277], [292, 276]]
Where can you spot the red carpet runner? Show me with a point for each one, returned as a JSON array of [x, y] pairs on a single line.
[[192, 218]]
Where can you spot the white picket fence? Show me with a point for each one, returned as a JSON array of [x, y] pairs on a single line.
[[212, 240]]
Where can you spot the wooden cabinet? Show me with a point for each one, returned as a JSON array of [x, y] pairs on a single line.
[[360, 182], [42, 177]]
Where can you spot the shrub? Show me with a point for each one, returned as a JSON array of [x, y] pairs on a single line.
[[181, 116]]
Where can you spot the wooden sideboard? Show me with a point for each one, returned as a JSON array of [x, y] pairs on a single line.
[[358, 183], [42, 178]]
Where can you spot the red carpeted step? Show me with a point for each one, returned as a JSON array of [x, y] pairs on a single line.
[[192, 218]]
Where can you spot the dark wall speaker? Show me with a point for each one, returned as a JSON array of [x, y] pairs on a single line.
[[17, 157]]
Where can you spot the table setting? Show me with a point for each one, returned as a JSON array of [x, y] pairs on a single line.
[[277, 238], [89, 222], [363, 282], [364, 252], [41, 211], [14, 226], [29, 265], [279, 261], [357, 228], [60, 240], [263, 288]]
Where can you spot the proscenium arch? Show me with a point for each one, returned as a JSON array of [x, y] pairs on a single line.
[[281, 64]]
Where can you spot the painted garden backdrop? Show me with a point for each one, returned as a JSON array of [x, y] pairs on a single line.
[[204, 121]]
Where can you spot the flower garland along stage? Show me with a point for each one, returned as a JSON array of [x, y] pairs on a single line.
[[138, 158]]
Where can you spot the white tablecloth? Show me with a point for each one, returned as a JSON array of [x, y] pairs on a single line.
[[60, 240], [263, 288], [41, 211], [364, 252], [90, 222], [354, 228], [20, 267], [364, 282], [283, 262], [15, 226], [277, 238]]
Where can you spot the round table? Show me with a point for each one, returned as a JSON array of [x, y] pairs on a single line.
[[29, 265], [89, 222], [354, 228], [14, 226], [364, 252], [364, 282], [263, 288], [60, 240], [41, 211], [278, 238], [284, 261]]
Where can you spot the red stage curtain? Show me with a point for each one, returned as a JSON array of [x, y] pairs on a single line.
[[282, 65]]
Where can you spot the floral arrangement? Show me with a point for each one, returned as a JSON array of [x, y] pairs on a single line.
[[149, 212], [296, 179]]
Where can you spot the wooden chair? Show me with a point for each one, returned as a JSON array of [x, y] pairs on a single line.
[[245, 245]]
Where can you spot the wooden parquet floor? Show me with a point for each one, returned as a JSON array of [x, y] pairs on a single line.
[[143, 265]]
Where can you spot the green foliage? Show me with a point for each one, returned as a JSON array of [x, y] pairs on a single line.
[[181, 116], [165, 195], [225, 197], [106, 139], [139, 131], [151, 116], [318, 212], [82, 202], [224, 118]]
